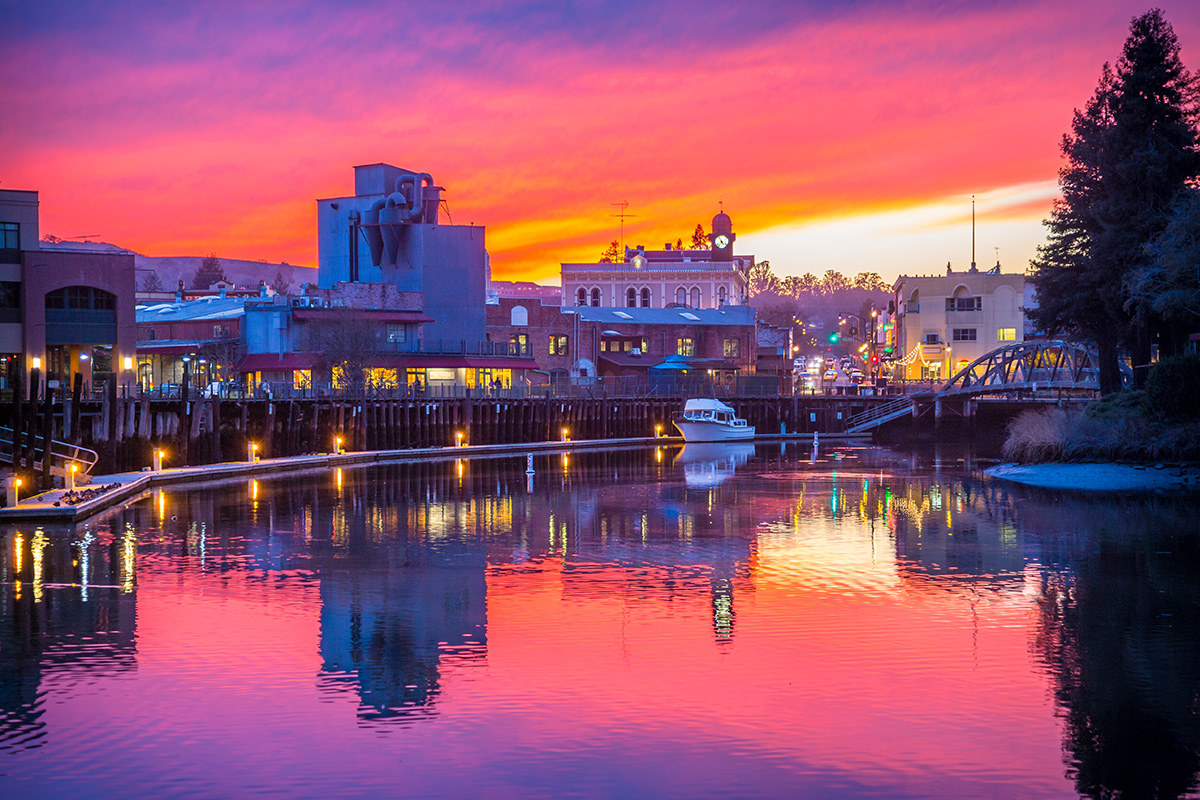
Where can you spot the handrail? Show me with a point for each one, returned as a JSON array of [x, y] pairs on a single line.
[[62, 454], [876, 416]]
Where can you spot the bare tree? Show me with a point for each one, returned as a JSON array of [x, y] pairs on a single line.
[[222, 355], [351, 344]]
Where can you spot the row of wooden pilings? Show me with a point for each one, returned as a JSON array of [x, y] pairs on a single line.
[[126, 431]]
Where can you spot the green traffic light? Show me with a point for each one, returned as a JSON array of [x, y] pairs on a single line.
[[833, 337]]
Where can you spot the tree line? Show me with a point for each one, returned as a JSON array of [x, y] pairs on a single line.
[[1119, 268]]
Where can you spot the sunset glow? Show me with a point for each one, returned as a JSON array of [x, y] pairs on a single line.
[[850, 139]]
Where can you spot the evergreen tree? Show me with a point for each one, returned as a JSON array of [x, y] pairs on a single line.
[[1130, 153], [612, 254], [699, 238], [281, 285], [1171, 281], [152, 283], [210, 272]]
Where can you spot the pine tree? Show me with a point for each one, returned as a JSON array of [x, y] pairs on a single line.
[[612, 254], [210, 272], [152, 283], [1130, 153], [699, 238]]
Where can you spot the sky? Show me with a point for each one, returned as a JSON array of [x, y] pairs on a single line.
[[848, 136]]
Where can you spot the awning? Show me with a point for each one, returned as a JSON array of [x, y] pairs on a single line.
[[627, 360], [689, 363], [374, 315], [279, 362]]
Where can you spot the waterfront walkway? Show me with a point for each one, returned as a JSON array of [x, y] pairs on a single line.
[[50, 506]]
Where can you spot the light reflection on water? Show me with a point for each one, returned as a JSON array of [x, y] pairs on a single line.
[[712, 622]]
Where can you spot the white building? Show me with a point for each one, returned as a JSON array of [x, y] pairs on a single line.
[[944, 322], [664, 278]]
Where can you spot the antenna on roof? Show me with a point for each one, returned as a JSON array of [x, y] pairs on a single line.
[[624, 204], [973, 233]]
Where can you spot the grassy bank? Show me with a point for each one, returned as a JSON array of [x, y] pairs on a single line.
[[1161, 423]]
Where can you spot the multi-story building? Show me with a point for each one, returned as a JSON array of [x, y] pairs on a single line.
[[587, 342], [711, 278], [944, 322], [64, 312]]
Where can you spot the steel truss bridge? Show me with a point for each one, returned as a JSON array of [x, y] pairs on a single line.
[[1022, 370]]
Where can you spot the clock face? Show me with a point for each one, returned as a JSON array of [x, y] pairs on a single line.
[[722, 241]]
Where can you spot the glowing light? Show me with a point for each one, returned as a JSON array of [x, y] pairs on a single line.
[[459, 436], [339, 478], [37, 363], [128, 363], [18, 541]]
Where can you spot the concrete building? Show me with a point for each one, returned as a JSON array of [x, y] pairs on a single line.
[[390, 231], [711, 278], [944, 322], [62, 311]]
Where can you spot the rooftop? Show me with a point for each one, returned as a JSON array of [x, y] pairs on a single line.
[[202, 308], [729, 315]]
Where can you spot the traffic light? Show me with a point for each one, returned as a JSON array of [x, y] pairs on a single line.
[[833, 338], [874, 359]]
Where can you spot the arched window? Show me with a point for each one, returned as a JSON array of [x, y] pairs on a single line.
[[681, 296], [596, 298], [695, 297], [721, 295], [520, 317], [645, 298], [631, 297], [581, 297]]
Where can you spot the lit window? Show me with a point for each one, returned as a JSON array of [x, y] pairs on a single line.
[[1006, 334], [518, 345], [732, 348], [685, 347], [301, 379], [558, 345]]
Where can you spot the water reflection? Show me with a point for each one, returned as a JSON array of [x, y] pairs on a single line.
[[69, 606], [784, 568]]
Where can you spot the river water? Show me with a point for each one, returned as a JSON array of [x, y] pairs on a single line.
[[716, 622]]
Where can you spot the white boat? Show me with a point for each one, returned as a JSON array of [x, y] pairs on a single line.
[[705, 420], [706, 465]]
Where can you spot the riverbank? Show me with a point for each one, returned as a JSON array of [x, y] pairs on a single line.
[[1102, 477]]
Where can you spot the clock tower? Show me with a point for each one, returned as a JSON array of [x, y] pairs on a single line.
[[722, 237]]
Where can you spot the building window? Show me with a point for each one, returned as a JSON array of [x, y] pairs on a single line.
[[519, 318], [518, 344], [964, 303], [932, 338], [396, 333], [220, 332], [1006, 334], [645, 298], [963, 334], [631, 297], [721, 295], [595, 298], [645, 345], [558, 345], [681, 296], [10, 236], [685, 347], [581, 297], [301, 380], [695, 297], [732, 348]]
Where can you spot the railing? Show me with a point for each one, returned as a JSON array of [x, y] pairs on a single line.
[[874, 417], [62, 454]]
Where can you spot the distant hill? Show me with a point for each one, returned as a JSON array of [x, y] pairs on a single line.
[[172, 269]]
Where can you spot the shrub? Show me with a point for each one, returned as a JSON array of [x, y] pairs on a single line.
[[1173, 387]]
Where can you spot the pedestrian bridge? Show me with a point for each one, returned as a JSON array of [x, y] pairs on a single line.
[[1021, 370]]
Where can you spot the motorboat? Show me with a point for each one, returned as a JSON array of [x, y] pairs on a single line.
[[707, 420]]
